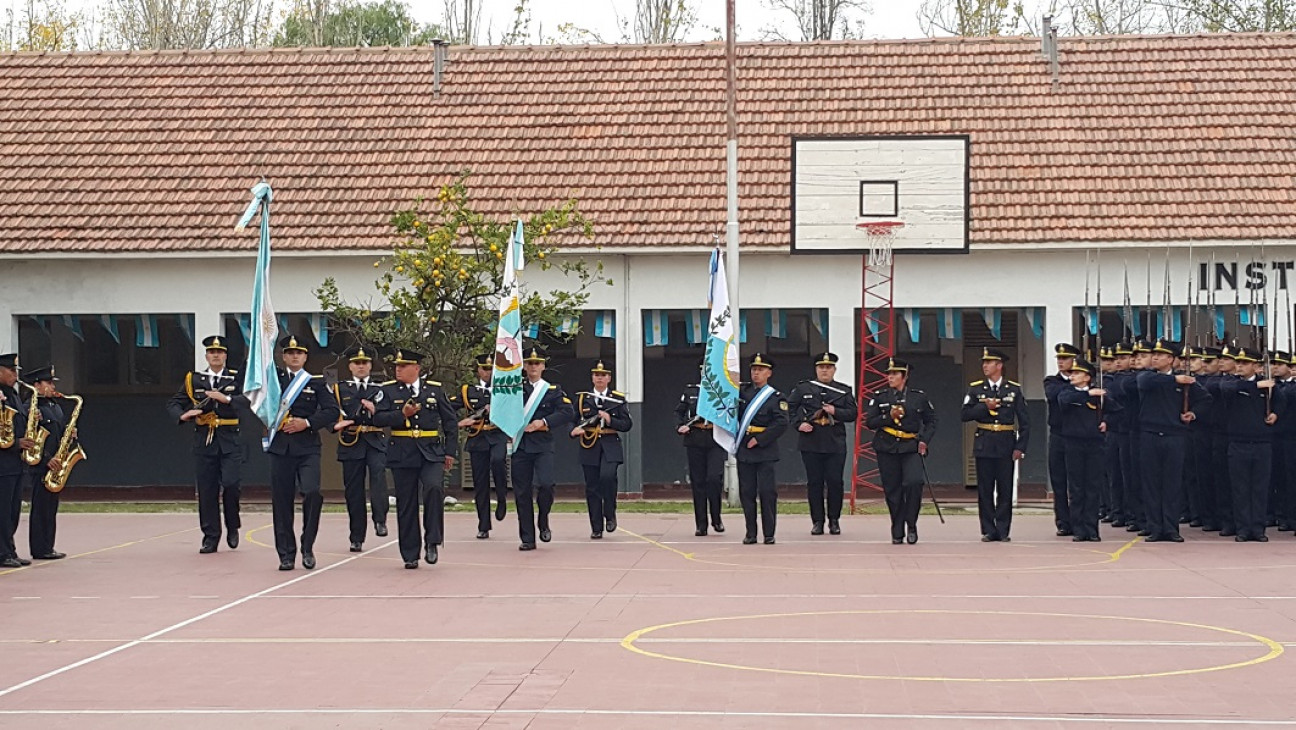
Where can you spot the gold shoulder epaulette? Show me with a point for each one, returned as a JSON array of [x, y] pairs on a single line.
[[233, 372], [1016, 384], [321, 377], [618, 393], [553, 387], [978, 382], [390, 382], [433, 382]]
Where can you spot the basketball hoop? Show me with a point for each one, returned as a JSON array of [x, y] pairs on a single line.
[[881, 237]]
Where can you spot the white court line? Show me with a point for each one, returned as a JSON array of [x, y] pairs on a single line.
[[750, 596], [718, 714], [182, 624], [1051, 643]]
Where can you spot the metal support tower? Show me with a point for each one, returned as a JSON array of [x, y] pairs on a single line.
[[877, 346]]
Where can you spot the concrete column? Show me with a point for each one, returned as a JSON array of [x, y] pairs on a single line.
[[207, 322], [630, 379], [9, 334], [841, 340]]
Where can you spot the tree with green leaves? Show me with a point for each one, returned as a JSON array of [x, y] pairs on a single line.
[[1240, 16], [439, 291], [969, 18], [373, 23]]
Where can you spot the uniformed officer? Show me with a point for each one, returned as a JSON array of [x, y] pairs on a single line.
[[487, 446], [210, 399], [1279, 506], [294, 451], [903, 422], [820, 409], [546, 409], [1055, 384], [424, 444], [1201, 435], [998, 407], [762, 418], [1250, 412], [1081, 426], [602, 416], [362, 447], [1164, 415], [706, 460], [1117, 438], [42, 523], [11, 464], [1216, 419]]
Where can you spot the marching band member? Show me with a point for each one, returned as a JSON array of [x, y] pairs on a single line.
[[603, 415], [362, 447], [821, 408], [14, 442], [42, 523]]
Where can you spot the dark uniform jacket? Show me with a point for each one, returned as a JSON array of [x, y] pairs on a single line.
[[555, 410], [995, 434], [364, 435], [1116, 385], [434, 426], [1161, 402], [1053, 386], [317, 405], [766, 426], [54, 420], [1080, 413], [606, 445], [476, 398], [11, 462], [1245, 408], [218, 420], [701, 431], [806, 402], [917, 424]]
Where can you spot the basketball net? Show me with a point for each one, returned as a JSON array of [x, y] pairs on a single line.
[[880, 236]]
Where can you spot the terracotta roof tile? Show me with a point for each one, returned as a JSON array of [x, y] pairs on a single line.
[[1142, 139]]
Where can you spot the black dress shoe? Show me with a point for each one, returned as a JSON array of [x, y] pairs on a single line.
[[1063, 532], [817, 529], [23, 561], [545, 536], [912, 537], [380, 529], [699, 533], [897, 541], [1077, 538], [1005, 538], [10, 563], [1239, 538], [834, 527], [1195, 523], [749, 541], [596, 536], [411, 564], [610, 524], [1261, 538], [987, 538], [527, 546], [357, 547], [501, 509], [769, 541], [1145, 533], [482, 534], [207, 547], [285, 565], [1210, 528], [1227, 533], [1174, 538], [53, 555], [232, 539], [431, 555], [1094, 538], [1152, 538], [1118, 523], [718, 527], [308, 560]]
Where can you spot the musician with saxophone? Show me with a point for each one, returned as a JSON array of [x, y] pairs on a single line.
[[487, 446], [59, 432], [601, 417], [821, 408], [362, 447], [209, 399], [13, 441]]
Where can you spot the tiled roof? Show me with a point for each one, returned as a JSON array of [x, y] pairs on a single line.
[[1143, 138]]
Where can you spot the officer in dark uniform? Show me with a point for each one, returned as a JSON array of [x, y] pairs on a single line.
[[602, 416], [207, 399], [1117, 437], [1203, 366], [1216, 421], [1081, 426], [362, 447], [11, 464], [762, 418], [487, 446], [1164, 415], [1054, 384], [295, 457], [424, 444], [1250, 412], [903, 422], [820, 410], [1279, 508], [706, 460], [998, 407], [42, 523], [533, 480]]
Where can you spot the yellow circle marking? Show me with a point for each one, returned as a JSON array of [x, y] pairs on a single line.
[[1275, 648]]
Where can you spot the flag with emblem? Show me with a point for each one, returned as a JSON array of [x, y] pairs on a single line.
[[109, 323], [776, 323], [319, 327], [1035, 318], [260, 379], [949, 325], [506, 379], [913, 320], [146, 331], [656, 328], [993, 317], [605, 324], [73, 322], [695, 326], [718, 391], [819, 317]]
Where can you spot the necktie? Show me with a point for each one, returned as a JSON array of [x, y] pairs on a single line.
[[414, 388]]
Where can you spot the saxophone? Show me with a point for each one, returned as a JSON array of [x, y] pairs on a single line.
[[36, 432], [7, 435], [67, 455]]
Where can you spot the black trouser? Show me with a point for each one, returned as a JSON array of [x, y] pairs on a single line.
[[1278, 509], [994, 495], [1115, 476], [706, 476], [902, 483], [1202, 462], [9, 486], [1288, 489], [353, 481], [756, 481], [1222, 485], [1084, 469], [601, 492], [1132, 473], [14, 506], [217, 474], [1057, 466], [1163, 461], [288, 476], [488, 466], [1249, 465], [414, 486], [824, 478], [532, 479], [42, 523]]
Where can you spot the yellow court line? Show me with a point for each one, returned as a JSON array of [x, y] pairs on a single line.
[[1274, 647], [46, 563]]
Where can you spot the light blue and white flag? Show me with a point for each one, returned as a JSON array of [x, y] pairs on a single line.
[[1092, 321], [146, 331], [109, 323], [656, 328], [73, 322], [718, 392], [949, 325], [506, 379], [776, 323], [569, 325], [186, 325], [260, 379], [695, 326], [1220, 327], [1251, 315], [245, 326], [993, 317], [742, 327], [873, 325], [532, 331], [819, 317], [1035, 318], [913, 320], [1176, 322], [319, 327], [41, 321], [605, 324]]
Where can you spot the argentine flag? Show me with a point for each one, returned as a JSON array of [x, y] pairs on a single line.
[[506, 379], [718, 393], [605, 324], [261, 380]]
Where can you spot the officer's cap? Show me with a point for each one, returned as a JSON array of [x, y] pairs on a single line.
[[484, 360], [896, 365], [989, 353], [291, 342], [1247, 354], [826, 358], [760, 360], [359, 354], [1167, 347], [535, 353], [10, 360], [39, 374], [214, 343], [1083, 366], [600, 369], [1064, 349], [406, 356]]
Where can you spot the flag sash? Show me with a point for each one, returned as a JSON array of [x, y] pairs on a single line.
[[289, 397]]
